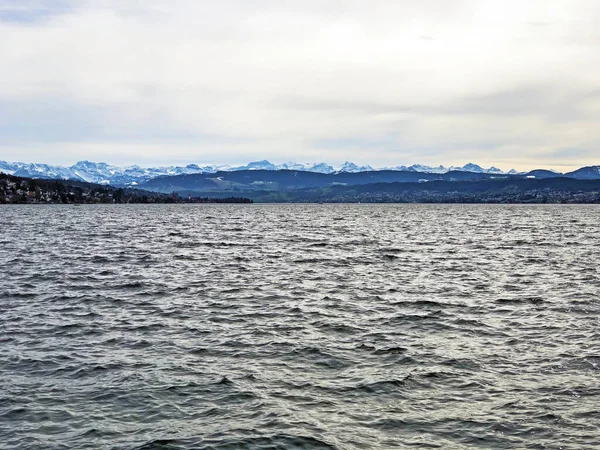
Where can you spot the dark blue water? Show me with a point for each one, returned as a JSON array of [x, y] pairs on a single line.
[[299, 326]]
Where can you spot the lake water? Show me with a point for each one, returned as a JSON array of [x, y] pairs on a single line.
[[299, 326]]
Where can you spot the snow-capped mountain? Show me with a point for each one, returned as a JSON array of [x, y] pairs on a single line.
[[257, 165], [308, 167], [104, 173], [470, 167], [101, 173], [350, 167], [35, 170], [419, 168], [266, 165], [428, 169]]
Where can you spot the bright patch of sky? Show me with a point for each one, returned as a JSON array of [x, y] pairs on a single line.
[[504, 83], [30, 11]]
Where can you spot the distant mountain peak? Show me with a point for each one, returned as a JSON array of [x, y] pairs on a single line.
[[471, 167], [350, 167], [102, 172], [585, 173]]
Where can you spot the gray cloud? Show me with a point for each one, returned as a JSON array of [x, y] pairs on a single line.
[[159, 81]]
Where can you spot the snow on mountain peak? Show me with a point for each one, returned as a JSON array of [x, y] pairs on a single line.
[[470, 167], [352, 168], [105, 173]]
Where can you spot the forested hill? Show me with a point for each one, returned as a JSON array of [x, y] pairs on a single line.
[[15, 189], [291, 180], [276, 180], [520, 190]]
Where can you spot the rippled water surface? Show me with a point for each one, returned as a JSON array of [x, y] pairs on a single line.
[[299, 326]]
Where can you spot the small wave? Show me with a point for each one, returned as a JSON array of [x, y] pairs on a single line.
[[522, 300], [224, 381], [391, 351], [384, 386]]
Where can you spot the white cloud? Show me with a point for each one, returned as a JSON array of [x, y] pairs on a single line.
[[509, 83]]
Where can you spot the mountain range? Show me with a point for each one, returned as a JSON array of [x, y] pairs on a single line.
[[104, 173]]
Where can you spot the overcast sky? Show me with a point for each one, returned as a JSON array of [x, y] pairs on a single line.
[[510, 83]]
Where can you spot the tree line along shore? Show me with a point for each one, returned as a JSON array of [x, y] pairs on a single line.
[[20, 190]]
